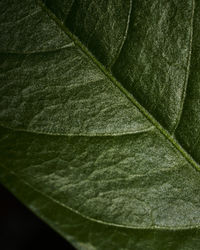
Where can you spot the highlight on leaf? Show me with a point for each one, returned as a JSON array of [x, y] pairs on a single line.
[[100, 121]]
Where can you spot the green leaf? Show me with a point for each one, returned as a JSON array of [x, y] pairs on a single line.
[[78, 145]]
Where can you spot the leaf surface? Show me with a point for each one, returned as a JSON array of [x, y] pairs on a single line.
[[74, 141]]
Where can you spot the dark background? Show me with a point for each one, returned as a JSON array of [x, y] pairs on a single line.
[[20, 229]]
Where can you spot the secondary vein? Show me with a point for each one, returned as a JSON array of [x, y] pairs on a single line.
[[125, 36], [187, 71]]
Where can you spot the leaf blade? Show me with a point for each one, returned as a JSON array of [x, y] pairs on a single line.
[[22, 162], [76, 229]]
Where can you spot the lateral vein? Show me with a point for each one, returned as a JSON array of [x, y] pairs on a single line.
[[38, 51], [40, 132], [125, 35], [187, 71]]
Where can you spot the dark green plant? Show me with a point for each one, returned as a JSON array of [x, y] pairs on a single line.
[[100, 120]]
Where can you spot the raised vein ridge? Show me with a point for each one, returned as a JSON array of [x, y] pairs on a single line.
[[91, 134], [125, 35], [187, 71], [37, 51]]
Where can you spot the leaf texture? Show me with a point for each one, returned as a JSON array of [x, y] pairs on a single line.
[[102, 27], [74, 140]]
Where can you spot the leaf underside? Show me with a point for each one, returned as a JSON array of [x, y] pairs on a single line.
[[100, 121]]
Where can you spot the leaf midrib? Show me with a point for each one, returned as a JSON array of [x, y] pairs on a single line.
[[108, 74]]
